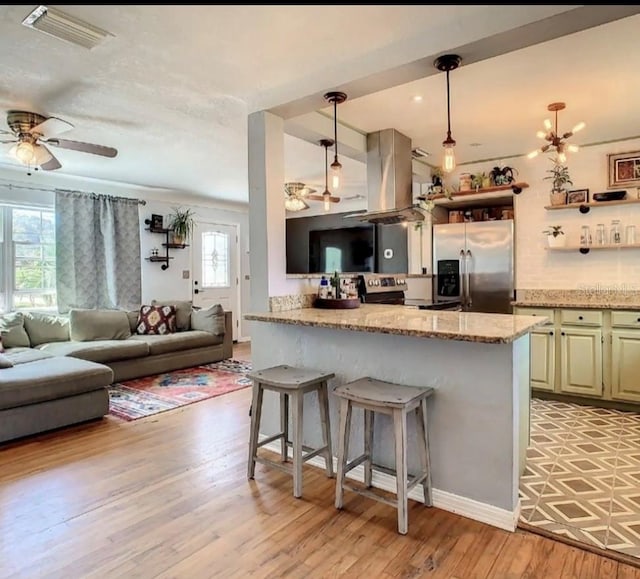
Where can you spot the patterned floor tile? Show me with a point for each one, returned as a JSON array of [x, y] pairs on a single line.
[[583, 474]]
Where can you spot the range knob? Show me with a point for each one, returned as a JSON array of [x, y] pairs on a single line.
[[377, 282], [370, 282]]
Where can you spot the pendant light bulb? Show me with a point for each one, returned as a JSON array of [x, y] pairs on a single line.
[[547, 124], [579, 127], [449, 160], [533, 154], [335, 98], [327, 201], [562, 158], [336, 170]]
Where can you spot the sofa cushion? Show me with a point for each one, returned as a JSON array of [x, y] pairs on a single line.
[[178, 341], [133, 320], [5, 362], [209, 319], [89, 325], [24, 355], [12, 330], [43, 328], [98, 351], [157, 320], [49, 379], [183, 312]]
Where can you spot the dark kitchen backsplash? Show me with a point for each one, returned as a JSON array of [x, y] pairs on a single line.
[[389, 237]]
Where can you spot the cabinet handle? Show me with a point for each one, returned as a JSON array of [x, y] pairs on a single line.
[[580, 318], [562, 333], [551, 333], [638, 320]]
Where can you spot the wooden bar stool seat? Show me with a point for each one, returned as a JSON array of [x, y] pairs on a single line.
[[294, 383], [396, 400]]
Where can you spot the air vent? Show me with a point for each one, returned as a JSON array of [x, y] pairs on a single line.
[[418, 153], [65, 27]]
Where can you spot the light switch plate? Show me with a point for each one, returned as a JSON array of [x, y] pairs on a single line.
[[185, 274]]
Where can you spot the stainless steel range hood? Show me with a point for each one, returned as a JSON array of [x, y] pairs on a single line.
[[389, 179]]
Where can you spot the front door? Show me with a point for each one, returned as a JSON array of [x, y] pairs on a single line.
[[215, 268]]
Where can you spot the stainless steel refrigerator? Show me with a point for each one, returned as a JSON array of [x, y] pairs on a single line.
[[474, 261]]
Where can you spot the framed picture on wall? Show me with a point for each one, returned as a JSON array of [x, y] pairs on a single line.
[[578, 196], [624, 170], [156, 221]]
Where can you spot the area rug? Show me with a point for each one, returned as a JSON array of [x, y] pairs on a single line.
[[150, 395]]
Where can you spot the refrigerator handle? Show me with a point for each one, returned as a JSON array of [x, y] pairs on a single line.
[[463, 276], [467, 267]]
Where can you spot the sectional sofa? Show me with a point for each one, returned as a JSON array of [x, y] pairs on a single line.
[[56, 371]]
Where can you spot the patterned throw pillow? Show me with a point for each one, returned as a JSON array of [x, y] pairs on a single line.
[[157, 320]]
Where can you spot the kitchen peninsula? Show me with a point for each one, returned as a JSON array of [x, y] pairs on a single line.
[[477, 363]]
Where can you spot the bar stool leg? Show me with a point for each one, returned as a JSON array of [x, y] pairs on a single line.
[[423, 446], [400, 429], [368, 446], [298, 399], [323, 403], [343, 449], [256, 412], [284, 424]]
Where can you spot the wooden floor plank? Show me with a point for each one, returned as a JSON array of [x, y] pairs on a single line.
[[167, 496]]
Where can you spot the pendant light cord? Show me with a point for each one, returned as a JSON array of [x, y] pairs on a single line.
[[335, 127], [326, 169], [448, 109]]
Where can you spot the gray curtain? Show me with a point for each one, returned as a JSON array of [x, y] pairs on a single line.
[[97, 251]]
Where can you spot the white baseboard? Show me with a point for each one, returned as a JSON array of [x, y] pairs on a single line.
[[243, 339], [482, 512]]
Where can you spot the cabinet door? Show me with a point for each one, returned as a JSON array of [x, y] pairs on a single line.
[[625, 365], [543, 360], [581, 361]]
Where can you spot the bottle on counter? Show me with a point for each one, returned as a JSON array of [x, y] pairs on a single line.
[[323, 290], [335, 283]]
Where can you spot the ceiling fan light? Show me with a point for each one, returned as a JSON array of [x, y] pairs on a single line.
[[294, 204], [25, 153]]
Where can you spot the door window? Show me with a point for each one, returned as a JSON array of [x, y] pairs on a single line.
[[215, 259]]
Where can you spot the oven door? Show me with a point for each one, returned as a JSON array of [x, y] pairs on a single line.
[[388, 298]]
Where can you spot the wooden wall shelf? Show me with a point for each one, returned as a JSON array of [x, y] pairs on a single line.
[[585, 207], [513, 187], [587, 249], [163, 259]]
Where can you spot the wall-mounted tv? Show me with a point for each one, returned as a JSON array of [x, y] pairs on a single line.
[[344, 249]]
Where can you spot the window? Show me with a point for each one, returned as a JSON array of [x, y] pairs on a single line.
[[28, 258], [215, 259]]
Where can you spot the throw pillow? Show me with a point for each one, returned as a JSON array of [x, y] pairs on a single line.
[[44, 328], [157, 320], [89, 325], [5, 362], [183, 312], [210, 320], [12, 330]]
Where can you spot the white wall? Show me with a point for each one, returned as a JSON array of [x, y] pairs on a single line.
[[537, 268], [156, 283]]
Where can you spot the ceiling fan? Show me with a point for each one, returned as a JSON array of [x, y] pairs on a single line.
[[33, 133], [294, 196]]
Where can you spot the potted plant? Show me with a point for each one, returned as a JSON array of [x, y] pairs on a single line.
[[182, 223], [560, 178], [555, 236]]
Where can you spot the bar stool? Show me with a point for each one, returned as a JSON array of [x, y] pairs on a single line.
[[292, 382], [397, 401]]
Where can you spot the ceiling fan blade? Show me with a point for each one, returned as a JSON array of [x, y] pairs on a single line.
[[51, 127], [321, 198], [11, 141], [52, 164], [83, 147], [42, 154]]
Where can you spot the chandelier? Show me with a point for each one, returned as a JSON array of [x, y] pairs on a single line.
[[556, 142]]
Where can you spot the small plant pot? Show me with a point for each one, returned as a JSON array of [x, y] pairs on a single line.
[[557, 240], [177, 239], [558, 198]]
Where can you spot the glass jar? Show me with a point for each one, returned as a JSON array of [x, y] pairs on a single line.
[[614, 232], [630, 235], [585, 236], [600, 234]]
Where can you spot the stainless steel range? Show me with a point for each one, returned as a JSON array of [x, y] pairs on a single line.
[[376, 288]]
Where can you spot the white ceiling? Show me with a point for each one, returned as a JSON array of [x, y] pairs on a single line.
[[172, 89]]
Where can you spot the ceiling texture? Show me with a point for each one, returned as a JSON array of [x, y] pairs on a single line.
[[172, 88]]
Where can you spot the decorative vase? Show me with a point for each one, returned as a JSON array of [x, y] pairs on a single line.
[[177, 239], [558, 198], [557, 240]]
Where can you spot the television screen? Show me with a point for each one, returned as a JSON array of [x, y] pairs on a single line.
[[347, 249]]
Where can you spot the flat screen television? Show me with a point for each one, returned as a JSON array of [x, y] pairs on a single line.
[[345, 249]]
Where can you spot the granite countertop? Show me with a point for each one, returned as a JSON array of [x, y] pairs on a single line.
[[602, 304], [407, 321]]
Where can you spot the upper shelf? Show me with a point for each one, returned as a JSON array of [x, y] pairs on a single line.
[[585, 207], [490, 195]]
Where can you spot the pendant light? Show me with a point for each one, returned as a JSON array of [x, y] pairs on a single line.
[[335, 98], [556, 142], [447, 63], [326, 194]]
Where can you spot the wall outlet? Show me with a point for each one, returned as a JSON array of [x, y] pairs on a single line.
[[185, 274]]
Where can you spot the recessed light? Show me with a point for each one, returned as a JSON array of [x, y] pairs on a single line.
[[417, 98]]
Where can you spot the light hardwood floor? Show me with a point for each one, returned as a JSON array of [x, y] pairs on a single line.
[[167, 496]]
